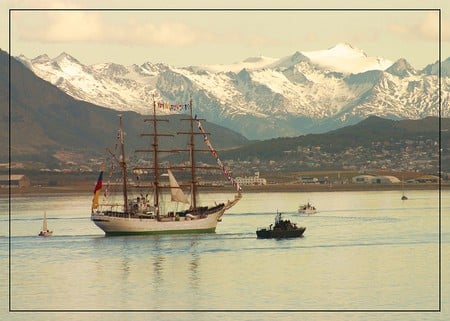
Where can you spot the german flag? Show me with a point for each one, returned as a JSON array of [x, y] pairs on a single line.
[[97, 189]]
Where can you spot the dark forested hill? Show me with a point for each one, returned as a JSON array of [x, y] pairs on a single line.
[[371, 130], [44, 120]]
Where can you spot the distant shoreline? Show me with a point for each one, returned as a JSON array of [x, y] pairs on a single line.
[[87, 188]]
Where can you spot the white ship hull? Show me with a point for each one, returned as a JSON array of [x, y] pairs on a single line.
[[45, 233], [307, 211], [115, 225]]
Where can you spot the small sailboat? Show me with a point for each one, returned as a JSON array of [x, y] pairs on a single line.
[[151, 211], [404, 197], [45, 231]]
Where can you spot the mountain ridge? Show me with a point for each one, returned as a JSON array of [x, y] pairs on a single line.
[[44, 121], [262, 97]]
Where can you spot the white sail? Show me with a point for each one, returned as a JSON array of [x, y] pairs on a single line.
[[44, 222], [175, 190]]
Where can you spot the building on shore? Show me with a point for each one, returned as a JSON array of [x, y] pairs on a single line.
[[309, 180], [425, 179], [16, 181], [362, 179], [385, 180], [251, 180], [370, 179]]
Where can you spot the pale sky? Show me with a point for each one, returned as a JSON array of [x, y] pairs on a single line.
[[199, 37]]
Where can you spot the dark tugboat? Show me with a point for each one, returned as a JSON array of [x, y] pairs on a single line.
[[281, 229]]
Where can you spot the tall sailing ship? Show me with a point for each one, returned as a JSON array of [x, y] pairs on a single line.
[[151, 212]]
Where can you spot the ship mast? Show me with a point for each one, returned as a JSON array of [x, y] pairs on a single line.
[[192, 159], [123, 165], [156, 168], [155, 159], [192, 150], [155, 150]]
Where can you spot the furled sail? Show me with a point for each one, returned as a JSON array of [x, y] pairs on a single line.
[[175, 190]]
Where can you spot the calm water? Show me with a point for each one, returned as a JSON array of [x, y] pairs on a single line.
[[362, 251]]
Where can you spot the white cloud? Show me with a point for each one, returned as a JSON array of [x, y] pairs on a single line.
[[91, 26], [67, 27], [100, 27], [166, 33], [426, 29]]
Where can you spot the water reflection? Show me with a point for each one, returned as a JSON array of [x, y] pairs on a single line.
[[158, 266], [376, 255], [194, 265]]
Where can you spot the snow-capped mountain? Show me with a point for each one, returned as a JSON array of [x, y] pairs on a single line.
[[262, 97], [344, 58]]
